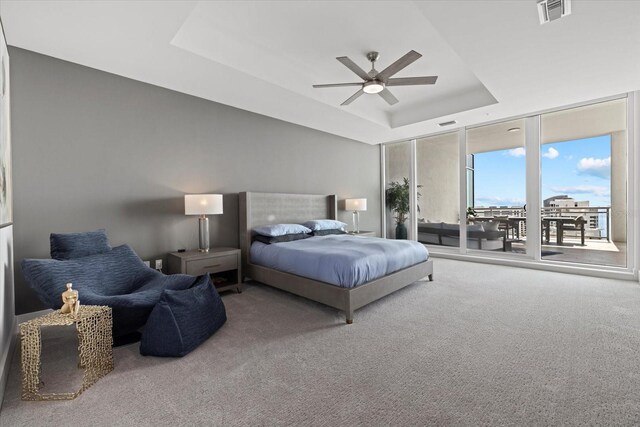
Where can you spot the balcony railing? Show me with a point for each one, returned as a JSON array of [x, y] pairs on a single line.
[[598, 218]]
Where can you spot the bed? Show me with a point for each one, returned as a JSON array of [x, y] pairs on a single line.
[[258, 209]]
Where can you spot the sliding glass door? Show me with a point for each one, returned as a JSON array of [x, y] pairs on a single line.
[[438, 189], [496, 187], [397, 192], [584, 184], [550, 188]]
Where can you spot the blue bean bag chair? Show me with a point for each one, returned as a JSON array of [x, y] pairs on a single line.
[[116, 277], [182, 320]]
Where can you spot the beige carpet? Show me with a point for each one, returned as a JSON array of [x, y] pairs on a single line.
[[481, 345]]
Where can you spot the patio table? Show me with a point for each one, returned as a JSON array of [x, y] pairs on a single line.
[[560, 227]]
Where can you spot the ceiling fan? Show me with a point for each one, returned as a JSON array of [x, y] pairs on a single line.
[[377, 82]]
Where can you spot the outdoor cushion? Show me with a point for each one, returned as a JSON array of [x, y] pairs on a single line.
[[446, 226], [78, 245], [475, 227], [429, 226], [491, 226], [182, 320]]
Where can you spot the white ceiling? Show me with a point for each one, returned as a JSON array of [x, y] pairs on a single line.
[[493, 58]]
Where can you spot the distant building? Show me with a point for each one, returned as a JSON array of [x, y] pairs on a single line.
[[564, 201]]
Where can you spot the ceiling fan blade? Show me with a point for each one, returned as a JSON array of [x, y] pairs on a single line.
[[388, 96], [408, 81], [338, 85], [354, 67], [353, 97], [401, 63]]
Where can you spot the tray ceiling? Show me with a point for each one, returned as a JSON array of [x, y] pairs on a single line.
[[493, 58]]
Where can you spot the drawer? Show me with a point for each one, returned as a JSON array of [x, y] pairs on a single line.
[[212, 265]]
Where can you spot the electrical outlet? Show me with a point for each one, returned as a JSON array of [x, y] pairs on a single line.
[[159, 264], [147, 263]]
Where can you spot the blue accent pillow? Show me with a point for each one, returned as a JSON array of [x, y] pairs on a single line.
[[324, 224], [275, 230], [78, 245], [328, 232], [182, 320], [281, 239]]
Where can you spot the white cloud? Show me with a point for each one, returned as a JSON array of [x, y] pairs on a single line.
[[517, 152], [596, 190], [595, 167], [551, 153], [499, 201]]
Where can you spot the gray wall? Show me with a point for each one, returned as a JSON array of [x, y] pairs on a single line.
[[95, 150]]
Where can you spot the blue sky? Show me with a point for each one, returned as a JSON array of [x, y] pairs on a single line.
[[580, 168]]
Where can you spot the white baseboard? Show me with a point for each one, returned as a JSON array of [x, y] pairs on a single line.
[[5, 360]]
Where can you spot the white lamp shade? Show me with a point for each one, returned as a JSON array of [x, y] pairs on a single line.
[[355, 204], [202, 204]]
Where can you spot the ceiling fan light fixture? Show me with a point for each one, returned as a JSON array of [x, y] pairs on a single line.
[[373, 86], [376, 82]]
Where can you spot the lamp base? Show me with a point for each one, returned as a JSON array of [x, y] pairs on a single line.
[[203, 238], [356, 222]]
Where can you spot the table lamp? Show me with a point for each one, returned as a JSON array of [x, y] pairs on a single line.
[[356, 205], [203, 205]]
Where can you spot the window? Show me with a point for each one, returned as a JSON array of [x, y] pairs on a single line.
[[438, 180], [584, 184], [571, 166], [397, 176], [496, 188]]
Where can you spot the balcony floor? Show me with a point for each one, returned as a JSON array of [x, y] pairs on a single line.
[[597, 252]]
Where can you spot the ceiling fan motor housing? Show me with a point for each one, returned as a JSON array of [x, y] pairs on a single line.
[[373, 86]]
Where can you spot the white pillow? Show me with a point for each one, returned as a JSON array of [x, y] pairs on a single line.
[[275, 230], [325, 224]]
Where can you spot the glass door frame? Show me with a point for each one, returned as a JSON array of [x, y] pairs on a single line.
[[533, 258], [532, 191]]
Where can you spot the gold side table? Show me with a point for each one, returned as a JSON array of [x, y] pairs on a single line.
[[94, 325]]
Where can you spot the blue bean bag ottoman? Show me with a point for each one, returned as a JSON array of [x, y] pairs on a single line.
[[182, 320]]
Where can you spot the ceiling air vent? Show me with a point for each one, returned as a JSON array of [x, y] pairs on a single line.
[[550, 10], [452, 122]]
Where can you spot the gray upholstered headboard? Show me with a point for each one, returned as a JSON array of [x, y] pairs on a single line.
[[280, 208]]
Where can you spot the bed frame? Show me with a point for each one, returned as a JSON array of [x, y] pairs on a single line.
[[275, 208]]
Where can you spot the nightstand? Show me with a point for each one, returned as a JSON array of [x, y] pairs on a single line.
[[362, 233], [222, 264]]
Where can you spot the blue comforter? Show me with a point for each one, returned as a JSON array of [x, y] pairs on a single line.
[[341, 260]]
